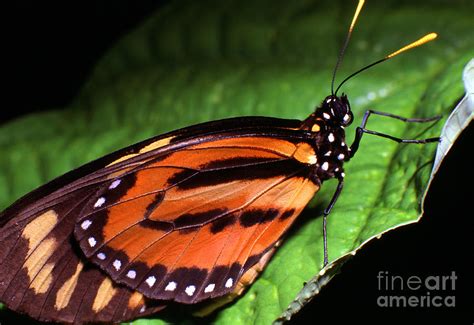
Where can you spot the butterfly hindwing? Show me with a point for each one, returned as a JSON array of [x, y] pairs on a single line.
[[43, 274]]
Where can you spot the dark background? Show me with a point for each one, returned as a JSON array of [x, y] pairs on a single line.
[[51, 49]]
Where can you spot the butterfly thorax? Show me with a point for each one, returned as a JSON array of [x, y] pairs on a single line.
[[327, 124]]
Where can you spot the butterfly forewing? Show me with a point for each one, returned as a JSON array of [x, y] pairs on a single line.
[[187, 225]]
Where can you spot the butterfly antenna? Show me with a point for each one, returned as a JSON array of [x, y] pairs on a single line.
[[346, 42], [425, 39]]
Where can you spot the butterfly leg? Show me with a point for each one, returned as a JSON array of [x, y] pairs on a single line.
[[361, 130], [325, 217]]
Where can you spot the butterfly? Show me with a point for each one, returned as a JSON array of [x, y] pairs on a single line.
[[188, 216]]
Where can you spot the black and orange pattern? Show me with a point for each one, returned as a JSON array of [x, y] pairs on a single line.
[[188, 216], [193, 215], [180, 217]]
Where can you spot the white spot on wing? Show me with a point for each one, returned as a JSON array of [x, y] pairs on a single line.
[[345, 118], [327, 154], [150, 281], [209, 288], [172, 286], [190, 290], [131, 274], [117, 265], [331, 137], [115, 184], [229, 283], [326, 116], [325, 166], [340, 156], [101, 256], [86, 224], [100, 201], [92, 242]]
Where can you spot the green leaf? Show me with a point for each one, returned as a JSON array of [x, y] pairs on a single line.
[[457, 121], [272, 58]]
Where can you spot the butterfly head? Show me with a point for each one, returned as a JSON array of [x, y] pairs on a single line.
[[336, 110]]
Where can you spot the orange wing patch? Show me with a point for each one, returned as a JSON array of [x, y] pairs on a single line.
[[185, 216], [188, 230]]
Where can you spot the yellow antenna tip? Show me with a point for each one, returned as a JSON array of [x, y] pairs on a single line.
[[356, 14], [425, 39]]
